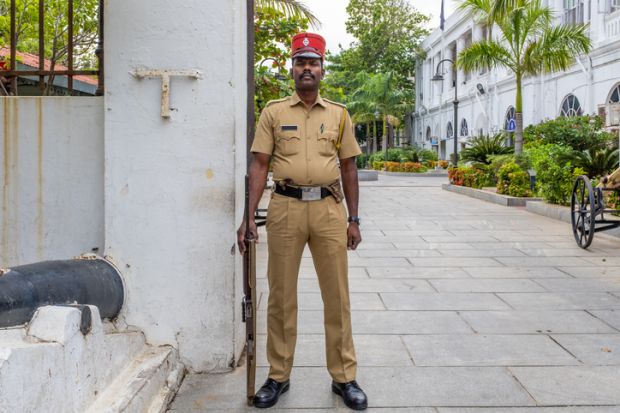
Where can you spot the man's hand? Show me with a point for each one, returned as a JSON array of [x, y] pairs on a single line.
[[241, 235], [353, 236]]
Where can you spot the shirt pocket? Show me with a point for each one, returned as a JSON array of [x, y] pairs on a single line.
[[327, 143], [288, 142]]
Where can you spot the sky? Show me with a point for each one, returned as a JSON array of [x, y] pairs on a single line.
[[333, 15]]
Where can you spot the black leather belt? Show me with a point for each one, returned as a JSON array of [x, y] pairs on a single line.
[[310, 193]]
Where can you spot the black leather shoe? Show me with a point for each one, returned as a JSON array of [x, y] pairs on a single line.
[[353, 396], [268, 395]]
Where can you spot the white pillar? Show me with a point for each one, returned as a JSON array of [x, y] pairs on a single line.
[[173, 187]]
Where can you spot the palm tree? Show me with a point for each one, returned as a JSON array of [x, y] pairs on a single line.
[[291, 8], [528, 44], [379, 94]]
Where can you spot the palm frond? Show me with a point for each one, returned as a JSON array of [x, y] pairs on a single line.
[[292, 8], [485, 55]]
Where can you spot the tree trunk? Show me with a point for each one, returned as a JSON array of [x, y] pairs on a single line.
[[368, 139], [519, 118]]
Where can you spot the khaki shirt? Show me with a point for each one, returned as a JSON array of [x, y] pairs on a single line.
[[302, 142]]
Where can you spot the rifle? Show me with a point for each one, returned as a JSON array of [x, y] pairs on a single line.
[[248, 312]]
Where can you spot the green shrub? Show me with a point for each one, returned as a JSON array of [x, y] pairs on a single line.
[[425, 155], [513, 181], [377, 157], [377, 165], [578, 132], [361, 161], [554, 174], [595, 162], [480, 148]]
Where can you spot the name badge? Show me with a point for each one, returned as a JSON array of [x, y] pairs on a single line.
[[285, 128]]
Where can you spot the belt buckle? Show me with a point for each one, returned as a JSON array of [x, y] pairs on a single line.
[[311, 193]]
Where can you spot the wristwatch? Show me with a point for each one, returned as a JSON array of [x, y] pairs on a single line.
[[354, 219]]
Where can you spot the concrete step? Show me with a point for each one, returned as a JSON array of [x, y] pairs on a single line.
[[50, 356], [147, 384]]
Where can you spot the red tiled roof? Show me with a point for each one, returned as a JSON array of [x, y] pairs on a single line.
[[32, 60]]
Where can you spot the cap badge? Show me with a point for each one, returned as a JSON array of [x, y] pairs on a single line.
[[306, 41]]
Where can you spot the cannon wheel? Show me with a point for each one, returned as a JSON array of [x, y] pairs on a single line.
[[583, 211]]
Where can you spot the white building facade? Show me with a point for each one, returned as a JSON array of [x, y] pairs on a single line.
[[487, 98]]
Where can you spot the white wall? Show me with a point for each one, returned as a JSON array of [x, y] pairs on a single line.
[[51, 178], [173, 187]]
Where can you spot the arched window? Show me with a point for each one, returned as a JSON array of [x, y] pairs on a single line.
[[449, 131], [510, 123], [464, 128], [614, 96], [613, 106], [428, 133], [571, 106]]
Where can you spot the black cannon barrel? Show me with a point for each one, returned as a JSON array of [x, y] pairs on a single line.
[[25, 288]]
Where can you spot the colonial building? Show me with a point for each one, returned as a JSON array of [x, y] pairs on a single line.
[[487, 98]]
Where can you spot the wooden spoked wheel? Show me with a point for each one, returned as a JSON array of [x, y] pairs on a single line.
[[583, 211]]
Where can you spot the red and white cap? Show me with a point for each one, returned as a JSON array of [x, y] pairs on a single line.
[[308, 45]]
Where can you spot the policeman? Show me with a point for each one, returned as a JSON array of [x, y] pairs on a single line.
[[312, 148]]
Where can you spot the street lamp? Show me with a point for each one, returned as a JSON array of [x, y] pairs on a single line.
[[439, 77]]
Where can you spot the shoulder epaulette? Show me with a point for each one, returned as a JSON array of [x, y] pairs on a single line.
[[335, 103], [271, 102]]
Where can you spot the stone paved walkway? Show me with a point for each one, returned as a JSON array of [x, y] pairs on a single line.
[[459, 306]]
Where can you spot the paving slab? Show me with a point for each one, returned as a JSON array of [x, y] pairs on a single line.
[[417, 272], [443, 302], [611, 317], [592, 271], [461, 307], [579, 385], [515, 272], [487, 285], [487, 350], [442, 386], [592, 349], [581, 285], [524, 322], [560, 301], [543, 261]]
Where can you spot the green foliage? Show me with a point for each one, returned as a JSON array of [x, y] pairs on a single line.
[[579, 132], [388, 34], [290, 8], [513, 181], [595, 162], [469, 176], [85, 30], [272, 37], [480, 148], [361, 161], [554, 174], [427, 155], [529, 43]]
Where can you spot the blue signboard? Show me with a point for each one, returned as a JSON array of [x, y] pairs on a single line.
[[512, 125], [434, 142]]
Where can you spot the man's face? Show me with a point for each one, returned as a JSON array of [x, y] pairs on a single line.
[[307, 73]]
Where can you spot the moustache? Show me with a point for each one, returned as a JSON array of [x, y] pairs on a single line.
[[306, 73]]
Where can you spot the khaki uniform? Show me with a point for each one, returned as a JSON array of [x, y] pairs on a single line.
[[302, 143]]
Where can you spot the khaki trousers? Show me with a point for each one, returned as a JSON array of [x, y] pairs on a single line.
[[291, 223]]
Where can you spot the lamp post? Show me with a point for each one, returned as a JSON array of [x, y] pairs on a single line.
[[439, 77]]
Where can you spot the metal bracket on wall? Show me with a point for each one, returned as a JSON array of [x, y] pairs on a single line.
[[165, 76]]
